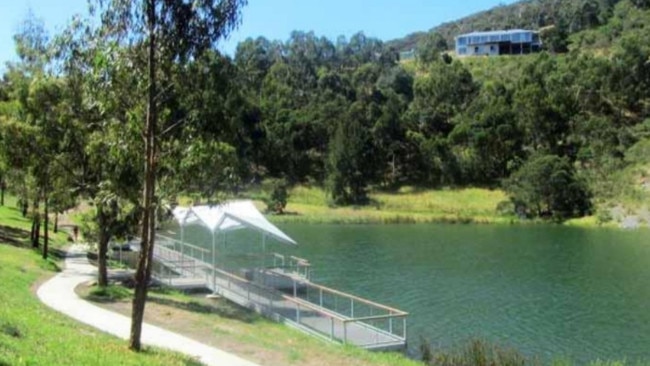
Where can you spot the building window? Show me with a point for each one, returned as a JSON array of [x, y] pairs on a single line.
[[491, 48], [462, 41], [475, 49], [462, 50]]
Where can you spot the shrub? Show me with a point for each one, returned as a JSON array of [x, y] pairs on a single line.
[[475, 353], [547, 186], [277, 201]]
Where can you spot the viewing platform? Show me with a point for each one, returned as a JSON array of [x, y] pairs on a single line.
[[283, 291]]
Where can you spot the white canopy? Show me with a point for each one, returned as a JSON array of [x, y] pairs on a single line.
[[229, 216]]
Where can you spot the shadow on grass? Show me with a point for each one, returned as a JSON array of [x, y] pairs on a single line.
[[220, 307], [19, 238], [13, 236], [187, 360]]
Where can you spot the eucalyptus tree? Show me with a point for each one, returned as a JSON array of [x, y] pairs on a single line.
[[101, 134], [35, 125], [173, 32], [43, 106]]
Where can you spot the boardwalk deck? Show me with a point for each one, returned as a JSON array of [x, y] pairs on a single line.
[[187, 271]]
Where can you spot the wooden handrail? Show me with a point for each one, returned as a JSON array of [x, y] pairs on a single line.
[[367, 302], [295, 300], [377, 317]]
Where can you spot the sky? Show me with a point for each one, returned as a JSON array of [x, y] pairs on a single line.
[[275, 19]]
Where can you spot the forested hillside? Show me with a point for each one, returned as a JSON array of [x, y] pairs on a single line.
[[566, 17], [564, 135]]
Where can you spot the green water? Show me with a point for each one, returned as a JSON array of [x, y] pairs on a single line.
[[549, 292]]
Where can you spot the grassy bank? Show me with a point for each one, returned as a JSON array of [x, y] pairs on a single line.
[[221, 324], [31, 333], [408, 205], [411, 205]]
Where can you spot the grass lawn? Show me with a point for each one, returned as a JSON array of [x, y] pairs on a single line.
[[31, 333], [408, 205]]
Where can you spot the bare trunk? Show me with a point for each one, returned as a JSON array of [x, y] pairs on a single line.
[[25, 206], [3, 186], [104, 238], [37, 232], [143, 271], [56, 222], [36, 225], [46, 235]]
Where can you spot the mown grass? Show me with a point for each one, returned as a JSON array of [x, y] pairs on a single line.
[[14, 229], [32, 334], [408, 205]]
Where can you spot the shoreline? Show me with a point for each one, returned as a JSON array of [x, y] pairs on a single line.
[[322, 215]]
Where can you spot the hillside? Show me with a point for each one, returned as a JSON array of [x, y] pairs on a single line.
[[31, 333], [570, 16]]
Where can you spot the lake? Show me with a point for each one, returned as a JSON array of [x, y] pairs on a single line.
[[547, 291]]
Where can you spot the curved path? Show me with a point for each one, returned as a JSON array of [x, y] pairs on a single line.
[[58, 293]]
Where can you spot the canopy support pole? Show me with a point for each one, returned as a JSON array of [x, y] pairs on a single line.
[[214, 267], [263, 251]]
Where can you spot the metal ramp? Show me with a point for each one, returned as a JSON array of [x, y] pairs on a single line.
[[323, 312]]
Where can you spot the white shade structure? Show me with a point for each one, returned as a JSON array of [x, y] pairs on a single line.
[[229, 216]]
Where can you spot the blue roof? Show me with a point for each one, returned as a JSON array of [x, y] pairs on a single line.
[[497, 32]]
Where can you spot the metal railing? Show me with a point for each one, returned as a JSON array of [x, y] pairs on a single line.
[[318, 310], [355, 309], [381, 330], [184, 258], [291, 264]]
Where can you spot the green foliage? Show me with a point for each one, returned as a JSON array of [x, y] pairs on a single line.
[[277, 201], [340, 114], [475, 353], [568, 17], [547, 186], [430, 47], [348, 161], [109, 293]]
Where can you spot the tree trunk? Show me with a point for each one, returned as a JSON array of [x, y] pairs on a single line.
[[36, 225], [56, 222], [104, 238], [25, 206], [3, 186], [31, 232], [36, 231], [46, 235], [143, 271]]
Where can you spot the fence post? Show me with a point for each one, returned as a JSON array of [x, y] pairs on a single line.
[[404, 327], [321, 297], [331, 328], [390, 323], [345, 332], [298, 313], [351, 308]]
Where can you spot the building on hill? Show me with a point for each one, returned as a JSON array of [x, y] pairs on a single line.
[[407, 55], [501, 42]]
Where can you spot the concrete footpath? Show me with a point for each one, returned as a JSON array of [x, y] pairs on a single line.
[[58, 293]]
